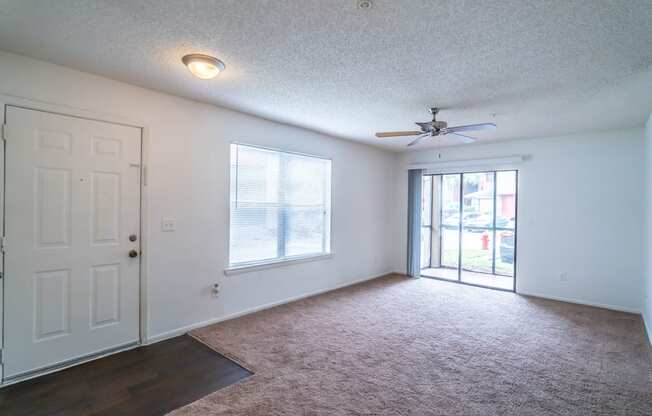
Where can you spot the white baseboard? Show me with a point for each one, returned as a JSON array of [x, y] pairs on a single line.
[[647, 322], [582, 302], [182, 330]]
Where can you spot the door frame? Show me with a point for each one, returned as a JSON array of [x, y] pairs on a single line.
[[64, 110], [460, 268]]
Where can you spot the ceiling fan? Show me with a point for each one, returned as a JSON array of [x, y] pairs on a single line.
[[438, 128]]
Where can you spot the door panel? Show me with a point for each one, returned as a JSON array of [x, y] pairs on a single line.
[[105, 295], [426, 221], [52, 211], [52, 304], [105, 209], [450, 221], [478, 222], [72, 200], [477, 250]]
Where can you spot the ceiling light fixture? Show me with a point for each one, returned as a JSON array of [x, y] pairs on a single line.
[[203, 66]]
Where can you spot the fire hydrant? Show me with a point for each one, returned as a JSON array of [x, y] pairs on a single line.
[[485, 241]]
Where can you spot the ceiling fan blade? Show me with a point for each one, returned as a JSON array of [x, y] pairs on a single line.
[[418, 139], [471, 127], [398, 133], [465, 139]]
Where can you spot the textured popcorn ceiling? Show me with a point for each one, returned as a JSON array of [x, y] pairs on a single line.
[[542, 67]]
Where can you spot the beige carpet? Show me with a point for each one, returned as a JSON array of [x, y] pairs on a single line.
[[399, 346]]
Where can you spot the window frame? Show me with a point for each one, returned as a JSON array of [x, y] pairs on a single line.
[[428, 226], [460, 226], [243, 267]]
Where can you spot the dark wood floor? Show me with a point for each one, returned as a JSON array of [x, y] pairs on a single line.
[[151, 380]]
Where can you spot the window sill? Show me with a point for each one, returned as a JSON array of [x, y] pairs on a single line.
[[275, 263]]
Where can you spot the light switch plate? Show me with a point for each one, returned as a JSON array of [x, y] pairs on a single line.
[[168, 224]]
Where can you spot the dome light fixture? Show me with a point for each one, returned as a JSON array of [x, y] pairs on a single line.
[[203, 66]]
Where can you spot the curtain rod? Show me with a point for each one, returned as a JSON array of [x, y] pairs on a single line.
[[496, 161]]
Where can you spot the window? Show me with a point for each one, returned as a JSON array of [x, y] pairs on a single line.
[[280, 206]]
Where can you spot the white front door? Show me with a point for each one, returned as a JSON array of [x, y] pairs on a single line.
[[72, 201]]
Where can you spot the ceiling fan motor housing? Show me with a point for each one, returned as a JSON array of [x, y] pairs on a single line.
[[438, 125]]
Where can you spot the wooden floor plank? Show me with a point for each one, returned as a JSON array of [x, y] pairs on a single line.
[[146, 381]]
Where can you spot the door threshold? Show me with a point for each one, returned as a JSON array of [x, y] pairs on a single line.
[[459, 282]]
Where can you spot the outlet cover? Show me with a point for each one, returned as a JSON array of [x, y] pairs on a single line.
[[168, 224]]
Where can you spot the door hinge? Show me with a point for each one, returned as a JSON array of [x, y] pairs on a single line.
[[2, 361], [3, 244], [4, 132]]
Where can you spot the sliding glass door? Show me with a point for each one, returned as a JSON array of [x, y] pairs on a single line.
[[469, 228], [505, 246], [477, 222], [450, 222], [426, 221]]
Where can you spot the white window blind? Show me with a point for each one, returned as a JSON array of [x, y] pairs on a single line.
[[280, 205]]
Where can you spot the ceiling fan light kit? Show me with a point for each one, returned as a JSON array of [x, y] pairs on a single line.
[[438, 128]]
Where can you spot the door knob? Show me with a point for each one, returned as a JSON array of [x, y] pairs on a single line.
[[133, 253]]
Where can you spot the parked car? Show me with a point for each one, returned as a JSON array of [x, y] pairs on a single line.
[[507, 247], [502, 222], [452, 216], [486, 221], [453, 219], [478, 221]]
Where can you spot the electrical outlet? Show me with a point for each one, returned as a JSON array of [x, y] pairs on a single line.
[[215, 290], [168, 224], [563, 277]]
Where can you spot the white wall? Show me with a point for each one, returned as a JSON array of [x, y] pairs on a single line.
[[647, 233], [580, 203], [580, 212], [187, 179]]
